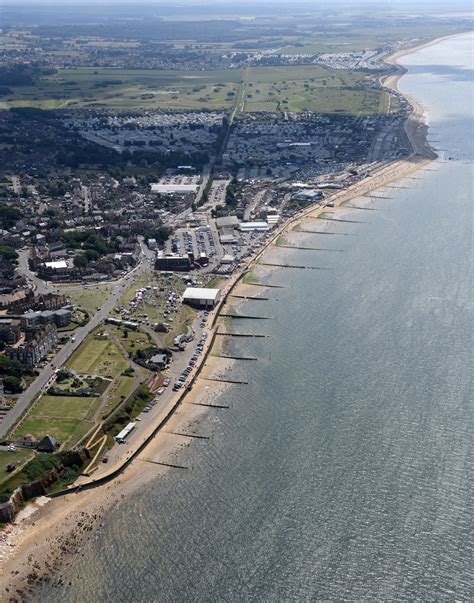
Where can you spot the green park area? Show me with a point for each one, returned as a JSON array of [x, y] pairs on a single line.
[[292, 88], [88, 298], [102, 372], [17, 458], [98, 355]]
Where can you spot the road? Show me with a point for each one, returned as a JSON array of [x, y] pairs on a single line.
[[25, 399], [120, 452], [23, 268]]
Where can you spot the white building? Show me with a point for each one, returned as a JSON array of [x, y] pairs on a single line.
[[174, 189], [254, 226], [201, 297]]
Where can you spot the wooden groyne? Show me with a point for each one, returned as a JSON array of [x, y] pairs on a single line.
[[300, 267], [309, 248], [361, 208], [225, 406], [236, 357], [343, 220], [268, 286], [246, 297], [240, 335], [324, 232], [190, 435], [173, 466], [231, 381], [245, 317]]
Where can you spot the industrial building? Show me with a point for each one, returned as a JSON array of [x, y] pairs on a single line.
[[174, 189], [254, 227], [201, 297], [227, 222]]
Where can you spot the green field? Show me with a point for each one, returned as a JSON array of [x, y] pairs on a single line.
[[69, 418], [16, 458], [61, 429], [310, 88], [128, 89], [98, 356], [133, 341], [89, 298], [291, 88], [66, 407]]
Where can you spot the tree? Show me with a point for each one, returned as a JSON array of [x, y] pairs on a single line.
[[9, 216], [80, 261], [9, 253], [12, 384]]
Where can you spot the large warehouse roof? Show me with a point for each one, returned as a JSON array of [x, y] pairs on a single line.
[[197, 293], [167, 189]]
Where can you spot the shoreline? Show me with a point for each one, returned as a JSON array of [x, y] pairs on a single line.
[[34, 556]]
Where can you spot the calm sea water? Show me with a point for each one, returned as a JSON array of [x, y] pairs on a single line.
[[345, 471]]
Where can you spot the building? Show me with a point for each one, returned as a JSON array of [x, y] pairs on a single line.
[[57, 270], [227, 222], [47, 444], [201, 297], [10, 331], [159, 360], [174, 189], [36, 346], [254, 227], [227, 239], [27, 441], [172, 262], [60, 318], [127, 324]]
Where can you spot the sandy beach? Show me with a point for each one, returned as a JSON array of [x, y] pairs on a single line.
[[49, 534]]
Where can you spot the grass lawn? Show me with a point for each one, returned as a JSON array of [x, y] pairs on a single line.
[[17, 458], [98, 357], [89, 299], [66, 407], [134, 341], [117, 393], [61, 429]]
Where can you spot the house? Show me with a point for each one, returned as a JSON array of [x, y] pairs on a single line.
[[47, 444], [27, 441]]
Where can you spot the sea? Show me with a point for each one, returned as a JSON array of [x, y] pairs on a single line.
[[344, 470]]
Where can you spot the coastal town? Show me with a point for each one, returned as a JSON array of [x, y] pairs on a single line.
[[143, 182], [115, 248]]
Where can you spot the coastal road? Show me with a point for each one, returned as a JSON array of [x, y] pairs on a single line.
[[39, 384]]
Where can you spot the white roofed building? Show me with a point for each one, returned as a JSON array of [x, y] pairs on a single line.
[[201, 297]]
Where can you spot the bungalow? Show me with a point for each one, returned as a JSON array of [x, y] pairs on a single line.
[[27, 441]]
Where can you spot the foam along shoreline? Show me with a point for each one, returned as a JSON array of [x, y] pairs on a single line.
[[39, 544]]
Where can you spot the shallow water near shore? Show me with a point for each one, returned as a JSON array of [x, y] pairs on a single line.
[[345, 469]]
